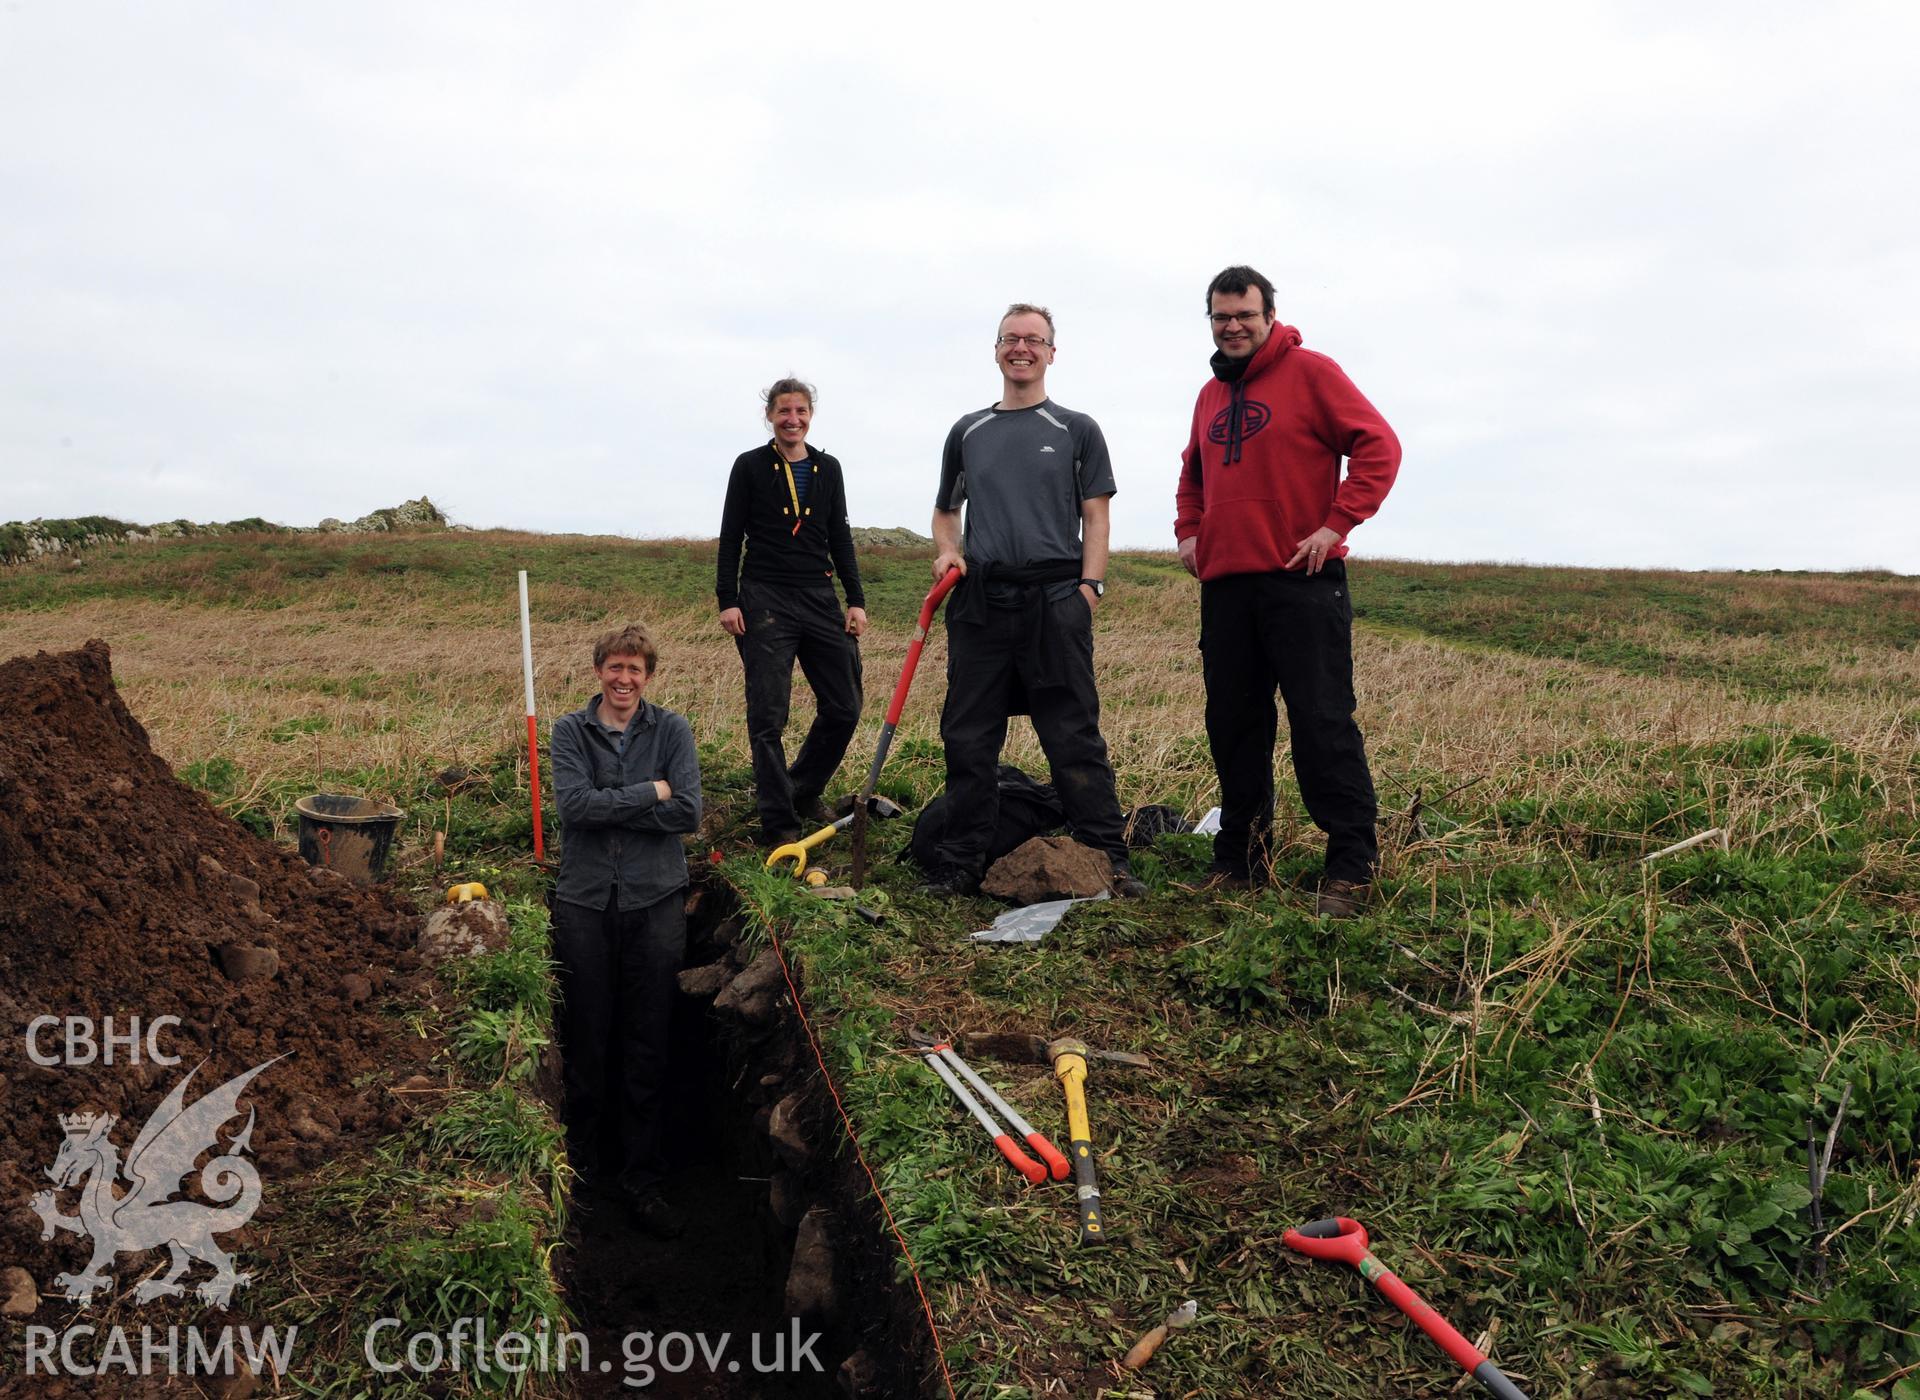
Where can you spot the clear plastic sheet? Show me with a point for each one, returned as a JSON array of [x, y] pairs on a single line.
[[1032, 922]]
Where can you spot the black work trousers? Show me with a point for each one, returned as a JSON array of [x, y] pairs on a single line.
[[785, 624], [619, 969], [992, 674], [1294, 632]]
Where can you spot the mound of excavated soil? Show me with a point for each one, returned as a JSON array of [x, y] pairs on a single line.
[[123, 893]]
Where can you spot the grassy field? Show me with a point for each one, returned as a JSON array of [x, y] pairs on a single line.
[[1570, 1093]]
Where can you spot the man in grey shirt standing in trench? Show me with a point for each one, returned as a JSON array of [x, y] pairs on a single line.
[[1035, 479]]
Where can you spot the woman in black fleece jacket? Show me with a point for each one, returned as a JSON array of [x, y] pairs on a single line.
[[786, 511]]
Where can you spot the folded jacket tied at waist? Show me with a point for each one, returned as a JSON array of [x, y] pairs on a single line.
[[1021, 596]]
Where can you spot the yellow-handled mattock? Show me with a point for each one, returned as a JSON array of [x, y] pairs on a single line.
[[1070, 1068], [797, 851]]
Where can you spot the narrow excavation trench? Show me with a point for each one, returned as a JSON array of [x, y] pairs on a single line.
[[722, 1312]]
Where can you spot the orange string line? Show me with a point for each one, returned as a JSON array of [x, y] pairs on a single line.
[[799, 1007]]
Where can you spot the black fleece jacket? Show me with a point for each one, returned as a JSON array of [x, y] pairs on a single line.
[[759, 516]]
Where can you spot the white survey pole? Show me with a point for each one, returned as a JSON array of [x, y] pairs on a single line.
[[533, 732]]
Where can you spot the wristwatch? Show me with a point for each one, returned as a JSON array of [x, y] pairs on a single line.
[[1098, 586]]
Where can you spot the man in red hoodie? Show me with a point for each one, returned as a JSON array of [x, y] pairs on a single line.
[[1262, 520]]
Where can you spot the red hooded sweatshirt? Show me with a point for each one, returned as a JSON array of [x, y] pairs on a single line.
[[1261, 470]]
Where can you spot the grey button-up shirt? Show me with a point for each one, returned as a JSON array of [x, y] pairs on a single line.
[[619, 840]]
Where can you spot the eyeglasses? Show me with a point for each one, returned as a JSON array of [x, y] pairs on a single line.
[[1032, 341], [1222, 319]]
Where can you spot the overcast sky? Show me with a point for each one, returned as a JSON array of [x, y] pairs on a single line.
[[1636, 284]]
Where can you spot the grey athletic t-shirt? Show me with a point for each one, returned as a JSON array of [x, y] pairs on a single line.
[[1022, 473]]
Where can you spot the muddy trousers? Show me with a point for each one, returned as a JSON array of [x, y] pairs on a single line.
[[785, 624], [1259, 632], [618, 975], [990, 677]]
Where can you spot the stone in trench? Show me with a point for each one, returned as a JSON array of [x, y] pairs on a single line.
[[705, 982], [783, 1130], [811, 1291], [18, 1294], [784, 1199], [1049, 867], [753, 995], [463, 931], [727, 932], [859, 1377]]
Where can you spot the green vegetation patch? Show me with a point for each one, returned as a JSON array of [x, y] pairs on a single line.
[[1652, 624], [455, 1218], [1568, 1093]]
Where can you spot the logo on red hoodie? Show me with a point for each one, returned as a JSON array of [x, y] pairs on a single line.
[[1253, 417]]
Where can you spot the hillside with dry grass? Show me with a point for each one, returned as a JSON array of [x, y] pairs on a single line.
[[1572, 1093]]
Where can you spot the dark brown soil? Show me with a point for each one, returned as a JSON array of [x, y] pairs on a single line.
[[726, 1275], [119, 886]]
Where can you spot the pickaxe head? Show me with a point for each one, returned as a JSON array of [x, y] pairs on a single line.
[[1066, 1045], [1017, 1048]]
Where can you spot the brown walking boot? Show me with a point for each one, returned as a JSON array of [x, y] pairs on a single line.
[[1341, 899]]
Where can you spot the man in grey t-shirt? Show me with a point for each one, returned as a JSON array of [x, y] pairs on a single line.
[[1035, 480]]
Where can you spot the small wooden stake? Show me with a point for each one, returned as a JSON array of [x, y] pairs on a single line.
[[1709, 834]]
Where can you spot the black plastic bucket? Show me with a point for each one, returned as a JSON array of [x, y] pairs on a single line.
[[351, 835]]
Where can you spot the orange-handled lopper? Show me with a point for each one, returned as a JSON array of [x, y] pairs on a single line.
[[1002, 1139], [1056, 1161]]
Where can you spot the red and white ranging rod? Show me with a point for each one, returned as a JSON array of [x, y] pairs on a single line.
[[533, 733]]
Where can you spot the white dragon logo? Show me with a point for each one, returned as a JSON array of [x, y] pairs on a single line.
[[145, 1216]]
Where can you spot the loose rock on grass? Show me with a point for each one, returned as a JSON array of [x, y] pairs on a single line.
[[1049, 867], [463, 930]]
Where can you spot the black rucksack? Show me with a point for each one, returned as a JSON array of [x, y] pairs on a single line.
[[1028, 808], [1145, 825]]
